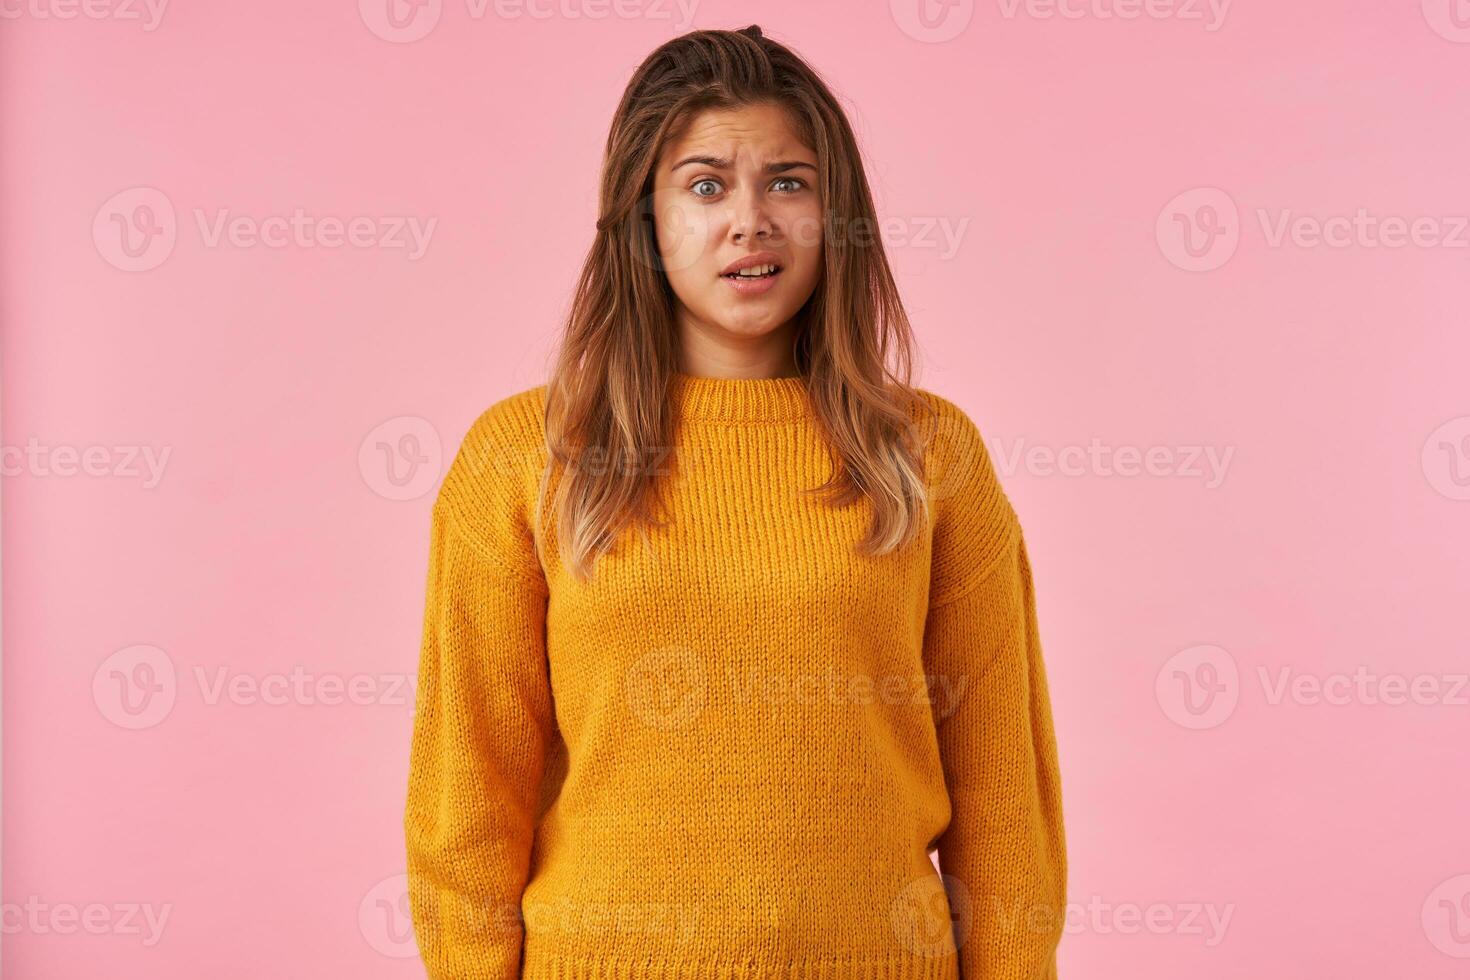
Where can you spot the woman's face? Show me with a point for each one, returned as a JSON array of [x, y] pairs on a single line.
[[738, 185]]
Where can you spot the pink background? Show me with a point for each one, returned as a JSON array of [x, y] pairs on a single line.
[[1325, 839]]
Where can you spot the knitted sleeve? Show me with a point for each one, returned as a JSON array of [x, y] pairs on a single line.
[[483, 715], [1004, 849]]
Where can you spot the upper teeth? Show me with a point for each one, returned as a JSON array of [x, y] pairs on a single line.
[[754, 270]]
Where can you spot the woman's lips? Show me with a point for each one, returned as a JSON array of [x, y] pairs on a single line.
[[753, 285]]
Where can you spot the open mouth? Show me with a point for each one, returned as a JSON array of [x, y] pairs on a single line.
[[754, 272]]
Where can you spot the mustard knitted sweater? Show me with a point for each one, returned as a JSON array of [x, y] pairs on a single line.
[[729, 755]]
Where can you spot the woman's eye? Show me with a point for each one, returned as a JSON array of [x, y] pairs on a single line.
[[712, 186]]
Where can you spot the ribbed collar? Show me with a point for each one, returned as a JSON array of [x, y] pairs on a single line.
[[738, 400]]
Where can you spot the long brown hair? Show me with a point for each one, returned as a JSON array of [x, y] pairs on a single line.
[[607, 394]]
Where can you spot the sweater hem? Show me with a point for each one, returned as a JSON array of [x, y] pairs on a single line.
[[551, 965]]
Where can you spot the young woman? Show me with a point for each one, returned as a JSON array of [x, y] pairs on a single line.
[[729, 627]]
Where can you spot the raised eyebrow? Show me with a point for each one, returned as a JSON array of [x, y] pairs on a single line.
[[720, 163]]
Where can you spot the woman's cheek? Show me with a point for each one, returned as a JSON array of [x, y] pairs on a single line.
[[683, 235], [806, 231]]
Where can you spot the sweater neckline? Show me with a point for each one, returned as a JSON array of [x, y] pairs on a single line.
[[738, 400]]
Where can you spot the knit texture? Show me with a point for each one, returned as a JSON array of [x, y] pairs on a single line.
[[729, 754]]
